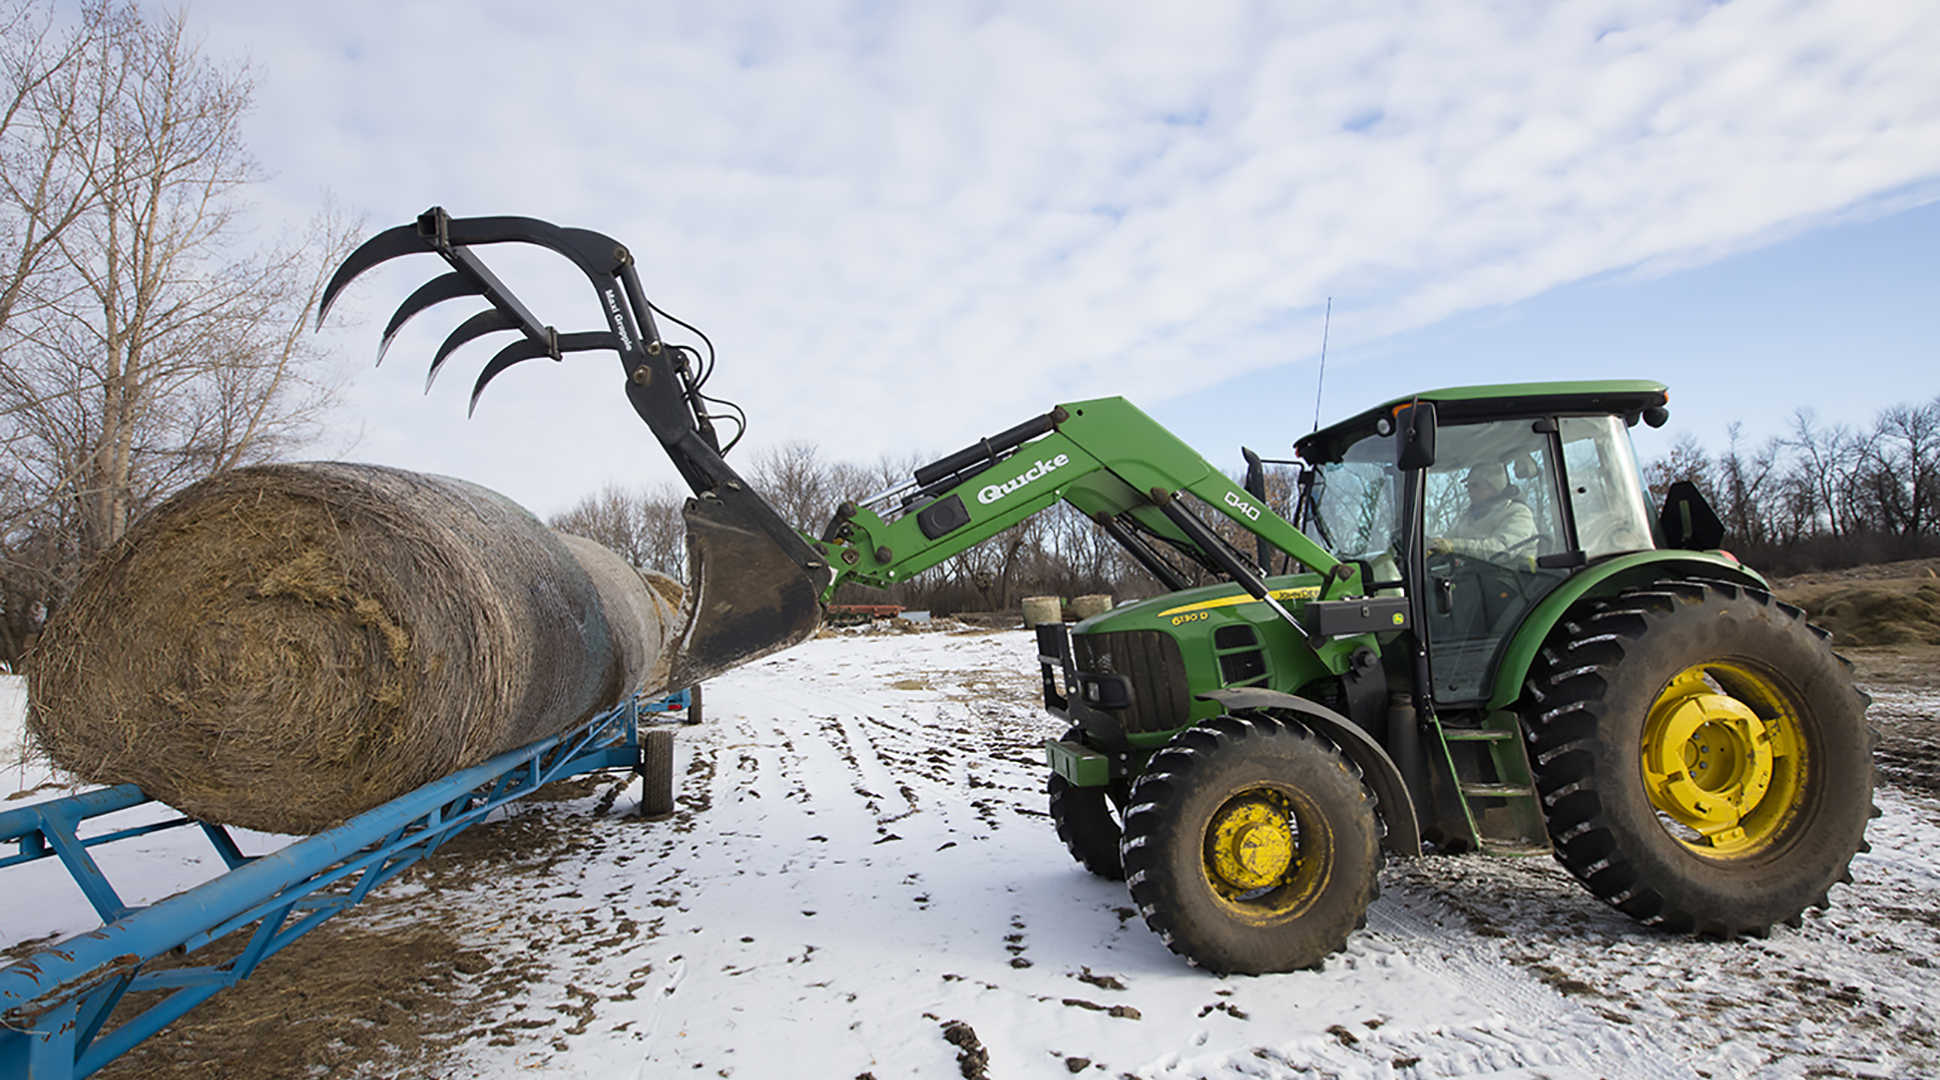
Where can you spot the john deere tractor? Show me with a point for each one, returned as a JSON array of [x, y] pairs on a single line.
[[1472, 631], [1598, 680]]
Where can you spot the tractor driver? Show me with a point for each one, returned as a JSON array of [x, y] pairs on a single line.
[[1496, 520]]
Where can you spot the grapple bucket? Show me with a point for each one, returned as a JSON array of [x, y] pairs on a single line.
[[754, 584], [746, 597]]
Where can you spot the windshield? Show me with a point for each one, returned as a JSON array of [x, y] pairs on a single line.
[[1354, 506]]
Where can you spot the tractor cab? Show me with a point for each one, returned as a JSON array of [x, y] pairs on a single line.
[[1479, 502]]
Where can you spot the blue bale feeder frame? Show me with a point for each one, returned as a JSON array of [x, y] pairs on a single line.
[[55, 1004]]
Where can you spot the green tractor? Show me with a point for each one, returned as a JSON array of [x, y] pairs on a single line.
[[1531, 661], [1472, 633]]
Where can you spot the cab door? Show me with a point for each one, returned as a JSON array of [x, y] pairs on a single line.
[[1482, 568]]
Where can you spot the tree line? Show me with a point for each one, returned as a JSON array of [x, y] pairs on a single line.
[[147, 339], [1821, 496]]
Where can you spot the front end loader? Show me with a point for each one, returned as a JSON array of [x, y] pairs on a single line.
[[1473, 633]]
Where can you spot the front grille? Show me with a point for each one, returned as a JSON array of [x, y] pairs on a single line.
[[1234, 636], [1151, 659], [1239, 668]]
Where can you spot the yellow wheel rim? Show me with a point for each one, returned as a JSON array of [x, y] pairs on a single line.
[[1259, 862], [1252, 844], [1723, 759]]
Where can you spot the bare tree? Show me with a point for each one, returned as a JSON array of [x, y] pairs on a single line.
[[48, 139], [644, 527], [798, 483], [1820, 484], [1744, 483], [147, 342], [1901, 471]]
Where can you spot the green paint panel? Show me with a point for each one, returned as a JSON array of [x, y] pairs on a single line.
[[1078, 765]]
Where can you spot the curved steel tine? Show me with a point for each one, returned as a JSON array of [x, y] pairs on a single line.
[[528, 349], [436, 291], [522, 349], [389, 244], [485, 322]]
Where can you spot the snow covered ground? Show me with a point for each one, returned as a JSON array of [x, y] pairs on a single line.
[[861, 880]]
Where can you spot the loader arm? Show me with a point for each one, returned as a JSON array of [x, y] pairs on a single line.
[[754, 583], [1106, 458]]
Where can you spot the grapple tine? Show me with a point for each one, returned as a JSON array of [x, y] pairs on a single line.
[[436, 291], [389, 244], [485, 322], [522, 349], [528, 349]]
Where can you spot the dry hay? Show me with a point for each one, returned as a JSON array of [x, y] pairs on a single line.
[[286, 646], [1904, 611]]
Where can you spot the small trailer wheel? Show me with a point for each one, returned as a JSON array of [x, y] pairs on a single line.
[[656, 770]]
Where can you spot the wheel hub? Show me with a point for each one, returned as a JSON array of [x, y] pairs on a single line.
[[1710, 761], [1251, 844]]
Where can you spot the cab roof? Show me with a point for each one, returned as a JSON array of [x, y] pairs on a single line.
[[1627, 398]]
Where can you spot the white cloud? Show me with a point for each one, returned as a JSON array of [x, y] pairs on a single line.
[[909, 225]]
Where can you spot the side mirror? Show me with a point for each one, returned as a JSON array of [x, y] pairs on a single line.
[[1256, 487], [1414, 436], [1255, 474]]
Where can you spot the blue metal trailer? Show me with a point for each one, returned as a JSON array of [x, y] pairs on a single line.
[[56, 1005]]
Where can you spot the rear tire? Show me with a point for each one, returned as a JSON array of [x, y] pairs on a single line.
[[1251, 846], [1703, 757]]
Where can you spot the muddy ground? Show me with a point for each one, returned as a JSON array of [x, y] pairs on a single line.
[[402, 984]]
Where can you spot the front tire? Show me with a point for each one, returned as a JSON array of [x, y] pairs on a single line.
[[1085, 822], [1251, 846], [1703, 757]]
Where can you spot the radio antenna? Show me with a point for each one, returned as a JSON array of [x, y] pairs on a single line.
[[1325, 324]]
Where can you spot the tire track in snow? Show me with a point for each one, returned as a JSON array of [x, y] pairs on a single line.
[[1571, 1035]]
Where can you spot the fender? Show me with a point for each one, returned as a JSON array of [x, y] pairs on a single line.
[[1391, 797], [1606, 579]]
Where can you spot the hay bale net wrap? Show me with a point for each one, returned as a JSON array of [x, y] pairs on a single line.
[[285, 646], [639, 607]]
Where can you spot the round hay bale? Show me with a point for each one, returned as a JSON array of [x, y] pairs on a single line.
[[286, 646], [1042, 609], [1084, 607], [636, 608]]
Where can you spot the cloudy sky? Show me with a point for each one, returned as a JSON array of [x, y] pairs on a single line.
[[906, 226]]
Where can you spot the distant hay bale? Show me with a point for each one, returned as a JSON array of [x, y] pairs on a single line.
[[1084, 607], [284, 647], [1042, 609]]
